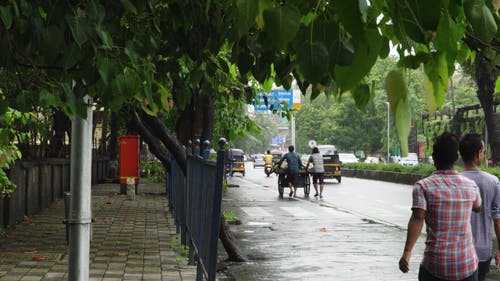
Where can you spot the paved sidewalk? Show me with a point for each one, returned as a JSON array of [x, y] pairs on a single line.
[[132, 240]]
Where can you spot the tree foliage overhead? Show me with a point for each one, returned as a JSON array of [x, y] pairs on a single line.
[[145, 54]]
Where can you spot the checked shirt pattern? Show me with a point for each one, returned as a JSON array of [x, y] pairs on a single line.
[[448, 199]]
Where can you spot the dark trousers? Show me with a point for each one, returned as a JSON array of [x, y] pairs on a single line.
[[483, 269], [424, 275]]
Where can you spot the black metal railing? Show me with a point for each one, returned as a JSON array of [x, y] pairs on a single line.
[[195, 202]]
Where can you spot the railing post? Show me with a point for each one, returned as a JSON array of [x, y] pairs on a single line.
[[203, 235], [219, 176], [189, 203], [206, 150], [196, 151]]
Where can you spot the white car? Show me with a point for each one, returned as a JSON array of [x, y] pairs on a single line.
[[258, 160], [410, 160], [348, 158], [371, 159]]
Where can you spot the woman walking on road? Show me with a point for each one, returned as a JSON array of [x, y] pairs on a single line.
[[318, 171]]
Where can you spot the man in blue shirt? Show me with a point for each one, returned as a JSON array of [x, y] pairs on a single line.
[[472, 152], [293, 168]]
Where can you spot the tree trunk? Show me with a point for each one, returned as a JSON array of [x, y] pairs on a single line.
[[485, 78], [162, 133], [190, 124], [60, 125], [232, 250], [208, 119], [152, 141]]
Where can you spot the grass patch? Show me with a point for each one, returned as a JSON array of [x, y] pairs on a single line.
[[181, 251], [229, 215]]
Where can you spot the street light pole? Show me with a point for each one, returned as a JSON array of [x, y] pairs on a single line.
[[388, 130]]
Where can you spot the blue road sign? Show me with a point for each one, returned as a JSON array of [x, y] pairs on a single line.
[[277, 140], [276, 98]]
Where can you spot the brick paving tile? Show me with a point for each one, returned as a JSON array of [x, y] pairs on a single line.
[[131, 240]]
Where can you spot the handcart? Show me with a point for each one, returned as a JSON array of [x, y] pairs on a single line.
[[303, 181]]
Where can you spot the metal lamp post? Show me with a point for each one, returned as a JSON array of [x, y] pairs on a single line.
[[388, 130]]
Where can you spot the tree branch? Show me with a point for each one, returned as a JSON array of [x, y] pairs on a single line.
[[152, 141], [162, 133]]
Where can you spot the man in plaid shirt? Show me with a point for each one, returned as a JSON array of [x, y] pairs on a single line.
[[444, 200]]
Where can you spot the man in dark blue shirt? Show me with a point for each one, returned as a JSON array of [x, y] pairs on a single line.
[[293, 167]]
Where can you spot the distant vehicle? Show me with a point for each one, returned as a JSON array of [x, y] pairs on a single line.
[[348, 158], [238, 163], [277, 154], [258, 160], [410, 160], [331, 163], [371, 159], [326, 149]]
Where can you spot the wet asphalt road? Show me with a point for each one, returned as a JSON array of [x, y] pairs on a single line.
[[356, 232]]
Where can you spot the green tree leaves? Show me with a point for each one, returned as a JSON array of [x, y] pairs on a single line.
[[397, 93], [417, 19], [77, 26], [6, 16], [247, 11], [481, 19], [312, 60], [436, 70], [365, 55], [281, 25]]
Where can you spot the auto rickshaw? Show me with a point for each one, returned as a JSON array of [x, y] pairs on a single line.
[[331, 163], [235, 162]]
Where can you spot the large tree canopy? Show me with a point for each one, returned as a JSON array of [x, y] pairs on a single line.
[[161, 56]]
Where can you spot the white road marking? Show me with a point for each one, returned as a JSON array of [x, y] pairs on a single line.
[[256, 212]]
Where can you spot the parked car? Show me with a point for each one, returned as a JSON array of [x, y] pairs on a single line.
[[258, 160], [410, 160], [348, 158], [372, 159]]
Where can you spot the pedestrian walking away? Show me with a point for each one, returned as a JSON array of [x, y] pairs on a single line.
[[318, 171], [293, 167], [444, 200], [472, 151]]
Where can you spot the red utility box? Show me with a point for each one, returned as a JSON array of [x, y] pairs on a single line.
[[129, 158]]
